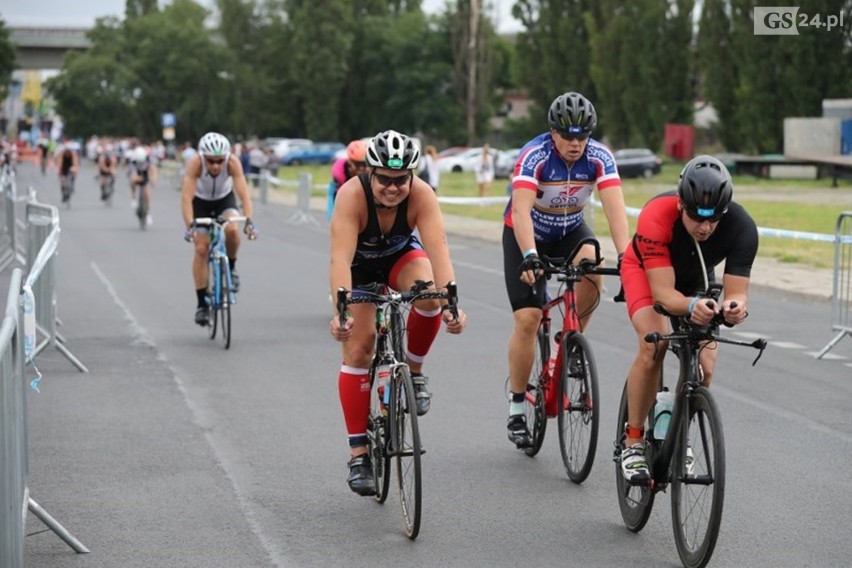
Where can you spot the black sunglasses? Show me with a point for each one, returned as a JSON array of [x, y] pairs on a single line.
[[387, 181], [700, 218], [566, 136], [214, 162]]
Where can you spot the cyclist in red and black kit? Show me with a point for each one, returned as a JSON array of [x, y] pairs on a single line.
[[680, 238], [373, 240], [554, 178]]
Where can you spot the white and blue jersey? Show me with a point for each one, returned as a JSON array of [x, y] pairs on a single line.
[[562, 190]]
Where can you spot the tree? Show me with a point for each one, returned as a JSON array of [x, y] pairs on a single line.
[[7, 60], [322, 36]]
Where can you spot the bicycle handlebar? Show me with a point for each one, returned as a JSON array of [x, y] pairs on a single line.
[[563, 266], [208, 221], [695, 332], [377, 293]]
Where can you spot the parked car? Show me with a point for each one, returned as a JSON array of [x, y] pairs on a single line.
[[505, 163], [465, 161], [636, 162], [451, 151], [283, 146], [317, 153]]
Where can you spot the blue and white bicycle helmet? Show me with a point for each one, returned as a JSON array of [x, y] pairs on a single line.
[[214, 145], [392, 150]]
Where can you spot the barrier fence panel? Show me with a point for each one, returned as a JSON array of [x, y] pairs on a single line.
[[13, 474], [841, 298], [42, 241]]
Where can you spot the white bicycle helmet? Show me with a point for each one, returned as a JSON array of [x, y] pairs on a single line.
[[393, 150], [214, 145], [140, 154]]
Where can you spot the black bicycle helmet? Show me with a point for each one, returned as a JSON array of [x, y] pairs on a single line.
[[705, 187], [390, 149], [572, 113]]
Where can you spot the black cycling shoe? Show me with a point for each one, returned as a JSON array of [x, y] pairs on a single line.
[[519, 434], [235, 280], [361, 479], [422, 396], [202, 316]]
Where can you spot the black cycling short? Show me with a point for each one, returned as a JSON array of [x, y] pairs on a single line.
[[384, 269], [521, 295], [215, 208]]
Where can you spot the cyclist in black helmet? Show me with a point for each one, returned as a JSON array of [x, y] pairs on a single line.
[[680, 237], [373, 240], [554, 177]]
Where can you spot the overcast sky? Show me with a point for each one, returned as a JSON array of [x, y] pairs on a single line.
[[82, 13]]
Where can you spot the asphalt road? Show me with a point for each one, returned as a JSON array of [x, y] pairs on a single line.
[[172, 452]]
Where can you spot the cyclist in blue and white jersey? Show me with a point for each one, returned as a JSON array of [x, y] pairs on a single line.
[[212, 178], [554, 178]]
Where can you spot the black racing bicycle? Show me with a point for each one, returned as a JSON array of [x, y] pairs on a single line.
[[392, 431], [692, 456]]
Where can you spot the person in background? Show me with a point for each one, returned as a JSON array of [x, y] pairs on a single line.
[[429, 171], [485, 171], [351, 165]]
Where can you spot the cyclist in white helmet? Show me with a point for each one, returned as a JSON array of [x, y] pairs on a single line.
[[373, 240], [212, 178]]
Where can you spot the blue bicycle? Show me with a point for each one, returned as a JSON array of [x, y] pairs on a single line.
[[220, 286]]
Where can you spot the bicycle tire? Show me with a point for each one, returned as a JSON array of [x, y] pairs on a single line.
[[535, 400], [213, 297], [377, 440], [225, 301], [698, 499], [578, 414], [397, 329], [635, 501], [407, 449]]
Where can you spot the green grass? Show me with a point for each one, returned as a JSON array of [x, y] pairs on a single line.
[[777, 204]]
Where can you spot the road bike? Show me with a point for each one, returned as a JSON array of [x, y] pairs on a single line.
[[392, 431], [142, 205], [220, 286], [565, 385], [692, 456], [107, 188], [66, 186]]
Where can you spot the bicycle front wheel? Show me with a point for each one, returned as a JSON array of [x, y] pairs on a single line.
[[406, 446], [578, 407], [225, 304], [635, 501], [378, 434], [535, 399], [698, 481], [212, 297]]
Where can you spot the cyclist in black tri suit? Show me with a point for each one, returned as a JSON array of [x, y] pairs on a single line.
[[372, 240], [680, 238], [106, 171], [67, 164]]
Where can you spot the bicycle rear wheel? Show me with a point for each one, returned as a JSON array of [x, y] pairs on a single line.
[[698, 488], [535, 402], [406, 446], [377, 435], [635, 501], [225, 297], [578, 407], [142, 209]]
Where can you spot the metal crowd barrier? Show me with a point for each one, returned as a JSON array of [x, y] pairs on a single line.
[[841, 298], [11, 233]]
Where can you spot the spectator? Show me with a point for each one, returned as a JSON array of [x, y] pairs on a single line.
[[485, 171]]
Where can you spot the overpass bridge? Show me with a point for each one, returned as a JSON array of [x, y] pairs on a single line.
[[45, 47]]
